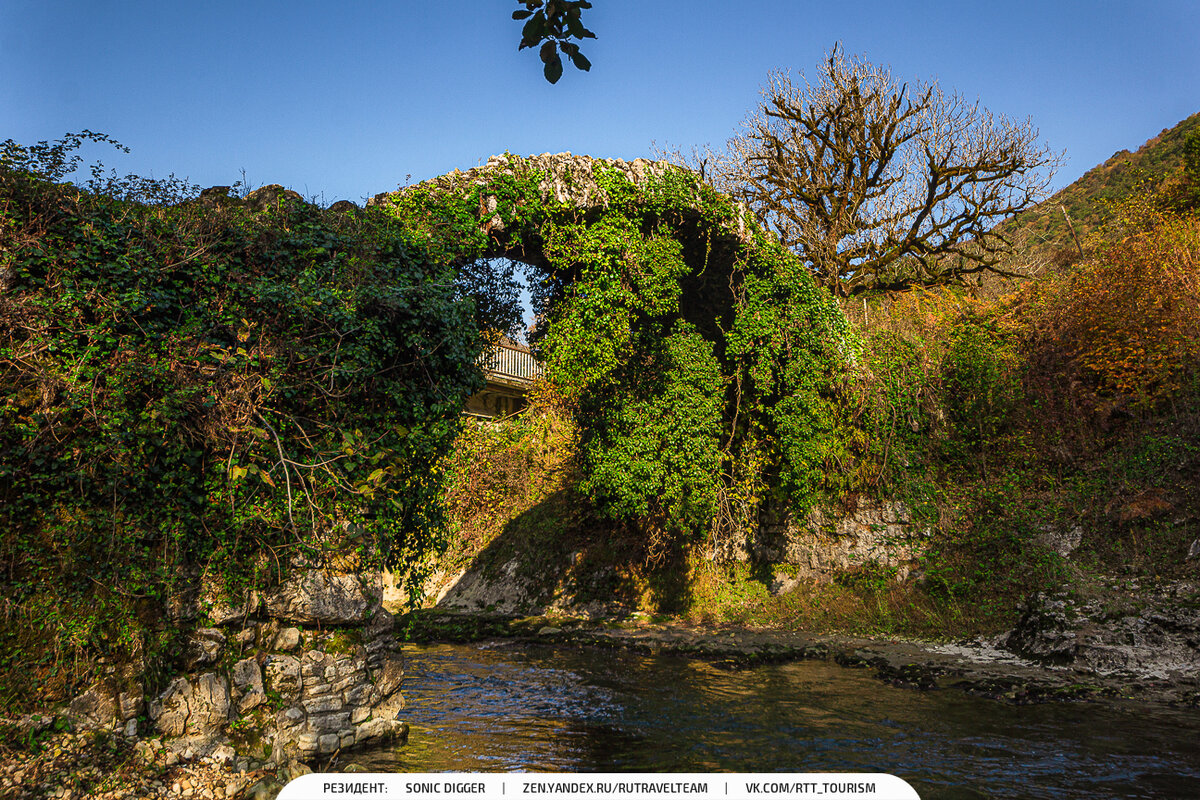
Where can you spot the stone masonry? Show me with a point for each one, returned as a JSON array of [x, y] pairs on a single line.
[[310, 669]]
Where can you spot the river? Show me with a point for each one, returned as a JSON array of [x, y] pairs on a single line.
[[509, 707]]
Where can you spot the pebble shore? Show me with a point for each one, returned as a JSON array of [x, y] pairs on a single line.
[[109, 766]]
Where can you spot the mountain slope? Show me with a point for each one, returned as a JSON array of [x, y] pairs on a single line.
[[1088, 201]]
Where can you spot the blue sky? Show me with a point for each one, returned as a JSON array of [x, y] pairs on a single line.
[[344, 100]]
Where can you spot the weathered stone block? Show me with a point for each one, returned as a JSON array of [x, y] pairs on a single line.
[[286, 640], [171, 710], [246, 674], [353, 679], [390, 677], [209, 706], [317, 597], [249, 700], [362, 694], [283, 677], [324, 704], [379, 730], [204, 647], [96, 708], [222, 611], [312, 690], [325, 723], [353, 665]]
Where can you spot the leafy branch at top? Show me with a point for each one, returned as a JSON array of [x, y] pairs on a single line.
[[551, 25]]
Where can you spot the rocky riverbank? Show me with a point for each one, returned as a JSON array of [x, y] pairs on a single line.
[[1117, 642], [1121, 643], [267, 688], [107, 766], [38, 760]]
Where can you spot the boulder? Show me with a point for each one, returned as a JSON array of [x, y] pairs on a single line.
[[316, 597], [1156, 637], [271, 195]]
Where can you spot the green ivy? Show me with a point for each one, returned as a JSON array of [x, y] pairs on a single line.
[[197, 387], [699, 357]]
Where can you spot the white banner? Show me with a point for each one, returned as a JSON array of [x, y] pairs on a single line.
[[589, 786]]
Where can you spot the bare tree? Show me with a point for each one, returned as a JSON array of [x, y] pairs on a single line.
[[879, 184]]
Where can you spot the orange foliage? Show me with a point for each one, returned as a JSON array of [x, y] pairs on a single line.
[[1130, 316]]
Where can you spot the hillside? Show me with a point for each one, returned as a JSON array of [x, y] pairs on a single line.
[[1088, 201]]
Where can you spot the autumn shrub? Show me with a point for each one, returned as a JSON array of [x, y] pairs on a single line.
[[497, 470], [1126, 323], [941, 386]]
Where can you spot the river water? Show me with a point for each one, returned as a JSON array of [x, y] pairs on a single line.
[[509, 707]]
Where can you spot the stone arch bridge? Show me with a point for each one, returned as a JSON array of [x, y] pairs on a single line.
[[498, 210]]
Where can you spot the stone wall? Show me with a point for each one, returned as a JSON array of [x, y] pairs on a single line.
[[818, 545], [310, 669], [831, 539]]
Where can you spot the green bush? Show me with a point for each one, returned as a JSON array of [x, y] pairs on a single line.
[[981, 379], [197, 386], [654, 454]]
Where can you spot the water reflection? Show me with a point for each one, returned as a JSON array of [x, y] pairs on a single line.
[[510, 708]]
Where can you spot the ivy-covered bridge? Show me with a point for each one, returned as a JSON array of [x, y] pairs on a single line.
[[697, 352]]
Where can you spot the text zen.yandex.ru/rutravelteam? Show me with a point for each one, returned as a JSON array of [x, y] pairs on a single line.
[[627, 786]]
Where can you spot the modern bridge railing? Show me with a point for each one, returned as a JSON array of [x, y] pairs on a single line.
[[510, 362], [510, 370]]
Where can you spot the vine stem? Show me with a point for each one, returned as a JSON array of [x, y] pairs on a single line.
[[283, 463]]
